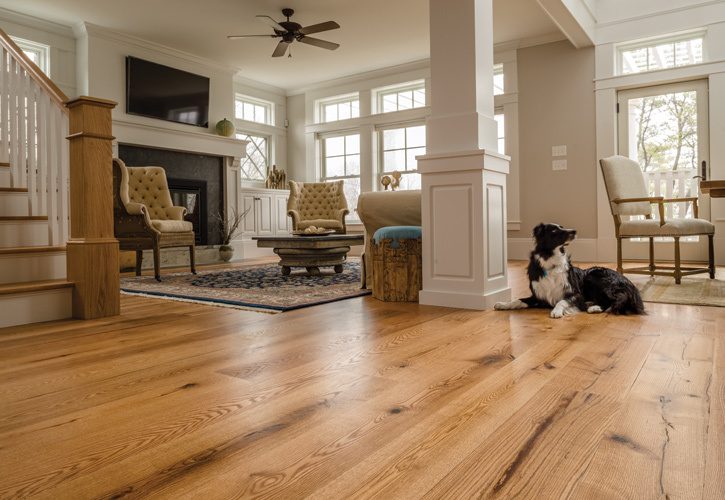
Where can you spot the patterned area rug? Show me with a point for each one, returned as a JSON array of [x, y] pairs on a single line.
[[697, 290], [259, 287]]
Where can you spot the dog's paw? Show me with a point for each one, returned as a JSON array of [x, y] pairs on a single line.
[[557, 313], [595, 309], [507, 306]]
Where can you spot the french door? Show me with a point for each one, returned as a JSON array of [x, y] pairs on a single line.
[[665, 129]]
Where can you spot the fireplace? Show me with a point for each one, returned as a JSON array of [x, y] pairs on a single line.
[[191, 194], [195, 181]]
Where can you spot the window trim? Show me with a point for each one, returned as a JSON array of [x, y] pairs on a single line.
[[649, 42], [267, 105], [380, 93], [41, 49], [337, 100]]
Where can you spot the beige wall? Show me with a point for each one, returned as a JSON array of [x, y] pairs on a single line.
[[557, 108]]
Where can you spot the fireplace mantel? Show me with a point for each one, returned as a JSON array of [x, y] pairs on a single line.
[[177, 140]]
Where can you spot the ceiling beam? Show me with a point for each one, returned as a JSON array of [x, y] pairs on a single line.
[[573, 18]]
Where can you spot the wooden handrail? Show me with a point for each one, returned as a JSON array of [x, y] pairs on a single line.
[[35, 73]]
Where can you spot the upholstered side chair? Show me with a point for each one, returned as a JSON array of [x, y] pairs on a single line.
[[144, 216], [319, 204], [628, 196]]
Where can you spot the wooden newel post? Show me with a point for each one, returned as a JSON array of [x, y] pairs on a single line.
[[92, 251]]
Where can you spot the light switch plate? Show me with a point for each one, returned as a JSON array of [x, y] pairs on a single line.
[[558, 165], [558, 151]]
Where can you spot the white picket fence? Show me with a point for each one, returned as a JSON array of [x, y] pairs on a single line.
[[33, 141]]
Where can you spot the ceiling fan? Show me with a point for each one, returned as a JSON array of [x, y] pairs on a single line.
[[290, 31]]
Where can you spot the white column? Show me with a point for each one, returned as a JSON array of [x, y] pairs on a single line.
[[463, 177]]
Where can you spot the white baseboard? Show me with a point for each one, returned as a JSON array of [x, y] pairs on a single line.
[[581, 250]]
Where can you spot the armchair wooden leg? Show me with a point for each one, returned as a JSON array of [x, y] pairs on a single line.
[[712, 255], [678, 271], [652, 255], [619, 256], [157, 263], [139, 261], [192, 258]]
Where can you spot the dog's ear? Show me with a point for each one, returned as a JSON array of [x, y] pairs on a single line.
[[539, 230]]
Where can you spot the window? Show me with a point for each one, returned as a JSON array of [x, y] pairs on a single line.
[[341, 160], [499, 117], [498, 79], [255, 165], [340, 108], [253, 110], [399, 147], [668, 52], [37, 52], [408, 96]]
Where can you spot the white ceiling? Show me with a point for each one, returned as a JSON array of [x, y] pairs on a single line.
[[373, 34]]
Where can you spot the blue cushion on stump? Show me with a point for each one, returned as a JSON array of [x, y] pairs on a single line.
[[397, 232]]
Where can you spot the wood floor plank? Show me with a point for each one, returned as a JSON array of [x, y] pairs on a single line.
[[656, 445], [362, 399]]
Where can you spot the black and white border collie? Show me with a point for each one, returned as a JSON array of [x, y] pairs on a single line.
[[554, 282]]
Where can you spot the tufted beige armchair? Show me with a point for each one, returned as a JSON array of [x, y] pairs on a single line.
[[320, 204], [144, 216]]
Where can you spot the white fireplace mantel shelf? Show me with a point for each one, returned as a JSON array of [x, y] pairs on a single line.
[[138, 134]]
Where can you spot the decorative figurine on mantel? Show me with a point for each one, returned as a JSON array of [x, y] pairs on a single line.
[[393, 183], [276, 179]]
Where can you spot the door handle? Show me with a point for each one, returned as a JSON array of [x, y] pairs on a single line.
[[704, 170]]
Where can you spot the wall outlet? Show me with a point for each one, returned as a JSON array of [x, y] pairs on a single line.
[[558, 151], [558, 165]]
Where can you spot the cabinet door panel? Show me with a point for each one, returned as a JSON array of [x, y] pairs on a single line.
[[284, 222], [249, 223], [264, 215]]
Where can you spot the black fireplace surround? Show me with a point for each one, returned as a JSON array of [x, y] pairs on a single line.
[[195, 181]]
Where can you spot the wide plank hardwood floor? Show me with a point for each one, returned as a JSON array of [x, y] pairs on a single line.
[[362, 399]]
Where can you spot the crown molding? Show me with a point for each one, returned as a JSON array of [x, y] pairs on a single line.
[[523, 43], [36, 23], [88, 29]]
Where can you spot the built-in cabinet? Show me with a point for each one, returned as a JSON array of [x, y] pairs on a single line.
[[268, 212]]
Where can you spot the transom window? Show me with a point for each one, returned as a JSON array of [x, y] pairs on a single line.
[[409, 96], [399, 148], [341, 108], [255, 165], [341, 160], [665, 52], [253, 110]]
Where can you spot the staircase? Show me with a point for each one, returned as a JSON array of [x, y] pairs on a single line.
[[35, 193]]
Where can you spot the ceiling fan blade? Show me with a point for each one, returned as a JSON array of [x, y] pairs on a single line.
[[281, 49], [271, 22], [234, 37], [319, 43], [316, 28]]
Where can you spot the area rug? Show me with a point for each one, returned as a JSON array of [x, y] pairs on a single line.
[[259, 287], [697, 290]]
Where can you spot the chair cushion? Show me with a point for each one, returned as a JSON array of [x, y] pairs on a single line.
[[672, 227], [397, 232], [172, 226]]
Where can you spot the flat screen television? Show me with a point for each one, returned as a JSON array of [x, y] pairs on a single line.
[[166, 93]]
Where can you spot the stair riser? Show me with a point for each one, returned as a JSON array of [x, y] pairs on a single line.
[[14, 204], [23, 233], [4, 177], [20, 268], [36, 307]]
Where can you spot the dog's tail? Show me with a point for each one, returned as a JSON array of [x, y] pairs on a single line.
[[629, 302]]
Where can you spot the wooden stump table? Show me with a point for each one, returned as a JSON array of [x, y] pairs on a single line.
[[311, 252]]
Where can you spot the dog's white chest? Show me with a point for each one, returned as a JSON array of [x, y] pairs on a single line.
[[552, 287]]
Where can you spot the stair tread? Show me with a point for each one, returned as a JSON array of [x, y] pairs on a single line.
[[24, 250], [13, 190], [9, 218], [4, 164], [34, 286]]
